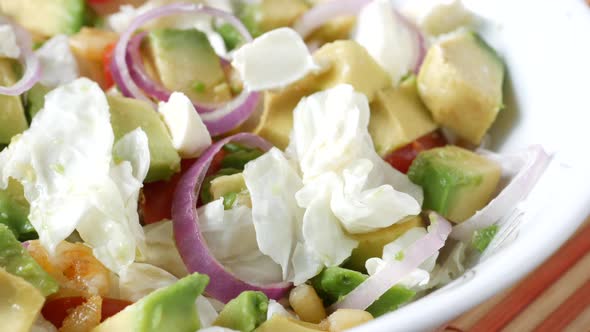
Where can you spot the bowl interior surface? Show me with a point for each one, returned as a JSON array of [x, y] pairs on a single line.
[[544, 44]]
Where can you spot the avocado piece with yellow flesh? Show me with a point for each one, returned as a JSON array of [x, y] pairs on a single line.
[[244, 313], [169, 308], [21, 303], [371, 244], [460, 82], [333, 283], [14, 211], [128, 114], [265, 15], [12, 113], [346, 62], [456, 182], [185, 61], [398, 117], [47, 17], [286, 324], [15, 259]]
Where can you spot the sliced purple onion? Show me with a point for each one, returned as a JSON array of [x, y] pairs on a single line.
[[319, 14], [30, 60], [420, 41], [523, 170], [190, 241], [131, 78], [394, 271]]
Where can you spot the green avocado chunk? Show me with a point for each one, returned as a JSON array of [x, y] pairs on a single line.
[[456, 181], [333, 283], [17, 261], [127, 115], [12, 113], [172, 308], [14, 211], [35, 100], [244, 313], [47, 17], [371, 244], [185, 61], [460, 82]]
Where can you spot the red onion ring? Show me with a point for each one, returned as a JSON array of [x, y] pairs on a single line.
[[420, 40], [530, 165], [218, 121], [28, 57], [319, 14], [376, 285], [190, 242]]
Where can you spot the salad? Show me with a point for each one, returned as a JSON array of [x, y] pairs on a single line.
[[270, 165]]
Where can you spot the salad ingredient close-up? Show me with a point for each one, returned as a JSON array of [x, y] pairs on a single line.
[[270, 165]]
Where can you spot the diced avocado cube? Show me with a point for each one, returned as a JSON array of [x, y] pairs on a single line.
[[127, 115], [14, 211], [371, 244], [47, 17], [398, 117], [333, 283], [169, 308], [456, 181], [460, 82], [244, 313], [266, 15], [12, 113], [15, 259], [35, 100], [347, 62], [185, 61], [287, 324], [21, 303]]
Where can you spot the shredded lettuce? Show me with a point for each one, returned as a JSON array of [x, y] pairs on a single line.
[[64, 162]]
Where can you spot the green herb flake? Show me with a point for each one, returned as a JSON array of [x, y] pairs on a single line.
[[399, 256], [229, 199], [199, 87], [483, 237]]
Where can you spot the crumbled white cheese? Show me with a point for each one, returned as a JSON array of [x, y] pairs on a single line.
[[190, 136], [58, 63], [387, 38], [273, 60], [8, 46]]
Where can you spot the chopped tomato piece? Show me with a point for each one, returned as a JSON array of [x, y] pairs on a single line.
[[402, 158], [57, 310], [157, 202], [106, 65]]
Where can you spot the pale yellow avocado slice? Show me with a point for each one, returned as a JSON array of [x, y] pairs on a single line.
[[185, 61], [346, 62], [460, 82], [20, 303], [47, 17], [12, 113], [371, 244], [398, 117]]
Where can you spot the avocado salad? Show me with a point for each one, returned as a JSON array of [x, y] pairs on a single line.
[[224, 165]]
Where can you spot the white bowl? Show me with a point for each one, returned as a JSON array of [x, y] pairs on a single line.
[[546, 47]]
